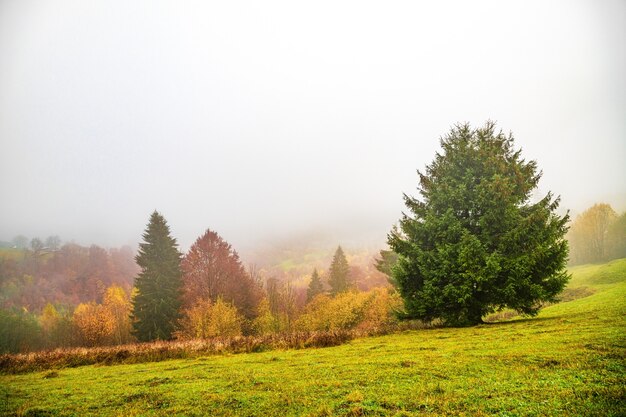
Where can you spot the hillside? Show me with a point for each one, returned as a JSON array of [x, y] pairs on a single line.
[[567, 361]]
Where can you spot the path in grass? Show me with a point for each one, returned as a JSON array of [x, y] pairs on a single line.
[[568, 361]]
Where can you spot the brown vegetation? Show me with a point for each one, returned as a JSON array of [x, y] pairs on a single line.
[[162, 350]]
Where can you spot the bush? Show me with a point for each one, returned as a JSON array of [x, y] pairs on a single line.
[[206, 319], [369, 312]]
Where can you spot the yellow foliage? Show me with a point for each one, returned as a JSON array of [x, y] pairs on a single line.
[[368, 311], [206, 319], [265, 322], [49, 319], [117, 302], [94, 324]]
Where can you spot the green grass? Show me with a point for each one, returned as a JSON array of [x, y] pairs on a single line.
[[568, 361]]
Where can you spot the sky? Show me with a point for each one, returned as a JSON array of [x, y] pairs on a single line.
[[266, 120]]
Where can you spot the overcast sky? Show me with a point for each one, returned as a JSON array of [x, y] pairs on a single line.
[[265, 119]]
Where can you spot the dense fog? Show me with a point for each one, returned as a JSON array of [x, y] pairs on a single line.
[[274, 121]]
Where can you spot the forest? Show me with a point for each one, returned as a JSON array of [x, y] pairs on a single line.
[[55, 295]]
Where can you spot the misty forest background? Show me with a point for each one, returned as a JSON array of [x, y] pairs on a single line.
[[56, 294]]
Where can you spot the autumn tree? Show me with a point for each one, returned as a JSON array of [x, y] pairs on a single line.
[[339, 273], [118, 303], [210, 319], [616, 238], [49, 322], [282, 302], [94, 324], [212, 269], [56, 327], [475, 243], [265, 321], [315, 286], [589, 234], [157, 302]]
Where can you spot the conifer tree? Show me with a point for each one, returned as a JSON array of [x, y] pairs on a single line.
[[315, 286], [158, 286], [338, 275], [475, 243]]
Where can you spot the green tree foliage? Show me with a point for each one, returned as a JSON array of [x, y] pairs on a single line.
[[475, 243], [265, 322], [387, 260], [339, 273], [157, 301], [590, 238], [19, 332], [315, 286]]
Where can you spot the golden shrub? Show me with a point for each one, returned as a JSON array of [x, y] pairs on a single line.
[[206, 319]]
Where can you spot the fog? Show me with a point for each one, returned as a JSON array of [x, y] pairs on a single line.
[[267, 120]]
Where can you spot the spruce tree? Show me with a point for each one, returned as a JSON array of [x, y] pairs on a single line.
[[338, 275], [315, 286], [475, 243], [157, 302]]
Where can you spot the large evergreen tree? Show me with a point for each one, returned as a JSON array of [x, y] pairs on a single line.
[[475, 243], [315, 286], [339, 273], [157, 302]]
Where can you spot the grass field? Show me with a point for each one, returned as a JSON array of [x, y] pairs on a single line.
[[569, 361]]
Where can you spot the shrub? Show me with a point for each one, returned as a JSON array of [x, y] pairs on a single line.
[[369, 312], [206, 319]]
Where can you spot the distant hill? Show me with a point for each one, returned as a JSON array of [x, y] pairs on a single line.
[[295, 258]]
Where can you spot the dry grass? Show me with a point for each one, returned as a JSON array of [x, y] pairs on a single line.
[[162, 350], [180, 349]]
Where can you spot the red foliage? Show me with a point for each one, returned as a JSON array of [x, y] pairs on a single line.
[[212, 268], [71, 275]]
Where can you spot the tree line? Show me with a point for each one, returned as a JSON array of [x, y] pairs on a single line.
[[597, 235], [472, 243], [206, 292]]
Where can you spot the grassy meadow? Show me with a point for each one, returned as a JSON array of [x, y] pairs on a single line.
[[568, 361]]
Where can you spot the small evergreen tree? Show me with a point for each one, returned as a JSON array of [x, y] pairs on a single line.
[[338, 275], [158, 286], [475, 243], [315, 286]]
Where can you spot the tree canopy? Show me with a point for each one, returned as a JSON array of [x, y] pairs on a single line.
[[596, 236], [212, 269], [157, 301], [475, 243]]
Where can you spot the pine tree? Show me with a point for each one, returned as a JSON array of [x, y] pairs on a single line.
[[157, 300], [338, 276], [315, 286], [475, 243]]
